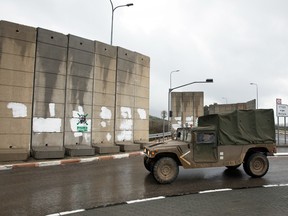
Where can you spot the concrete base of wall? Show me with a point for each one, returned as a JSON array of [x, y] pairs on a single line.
[[14, 154], [48, 152], [79, 150], [105, 148], [126, 147]]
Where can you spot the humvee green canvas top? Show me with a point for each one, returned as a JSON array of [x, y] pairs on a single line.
[[242, 126]]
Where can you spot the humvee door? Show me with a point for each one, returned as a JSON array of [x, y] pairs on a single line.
[[205, 146]]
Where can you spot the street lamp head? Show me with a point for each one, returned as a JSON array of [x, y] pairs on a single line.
[[209, 80], [130, 4]]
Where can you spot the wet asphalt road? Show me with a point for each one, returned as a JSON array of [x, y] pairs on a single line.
[[47, 190]]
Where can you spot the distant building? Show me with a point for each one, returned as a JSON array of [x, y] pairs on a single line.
[[226, 108], [186, 108]]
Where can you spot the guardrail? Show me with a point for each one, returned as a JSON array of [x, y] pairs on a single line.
[[159, 135]]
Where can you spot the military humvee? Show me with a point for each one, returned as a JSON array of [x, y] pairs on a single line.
[[241, 137]]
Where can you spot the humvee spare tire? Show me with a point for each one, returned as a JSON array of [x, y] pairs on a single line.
[[165, 170], [256, 165]]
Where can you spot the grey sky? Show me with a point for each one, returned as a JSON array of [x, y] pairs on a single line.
[[235, 42]]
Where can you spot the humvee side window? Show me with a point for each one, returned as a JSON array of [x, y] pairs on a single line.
[[178, 135], [205, 137], [188, 137]]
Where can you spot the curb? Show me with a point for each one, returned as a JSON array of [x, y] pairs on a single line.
[[83, 160], [70, 161]]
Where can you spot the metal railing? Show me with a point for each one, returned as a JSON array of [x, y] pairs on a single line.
[[159, 135]]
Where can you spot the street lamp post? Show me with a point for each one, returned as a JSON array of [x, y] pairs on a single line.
[[171, 89], [112, 19], [169, 96], [256, 93], [171, 76]]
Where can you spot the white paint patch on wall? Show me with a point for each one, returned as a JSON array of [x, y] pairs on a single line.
[[108, 137], [52, 109], [18, 109], [105, 113], [124, 135], [76, 113], [46, 125], [78, 134], [142, 113], [126, 124], [178, 123], [103, 124], [126, 112], [189, 121], [87, 137]]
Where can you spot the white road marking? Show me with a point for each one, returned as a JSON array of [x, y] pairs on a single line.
[[145, 200], [216, 190]]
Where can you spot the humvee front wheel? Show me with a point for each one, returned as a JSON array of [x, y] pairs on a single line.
[[148, 163], [165, 170], [256, 165]]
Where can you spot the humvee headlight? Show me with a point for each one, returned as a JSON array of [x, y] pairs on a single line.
[[153, 153]]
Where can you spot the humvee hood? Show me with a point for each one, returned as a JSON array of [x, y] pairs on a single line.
[[169, 144]]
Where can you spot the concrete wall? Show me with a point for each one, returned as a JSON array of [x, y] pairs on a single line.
[[79, 90], [61, 90], [104, 93], [141, 106], [226, 108], [49, 89], [186, 108], [17, 57], [132, 97]]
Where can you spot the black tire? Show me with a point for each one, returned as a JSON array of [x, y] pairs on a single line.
[[148, 163], [256, 165], [233, 167], [165, 170]]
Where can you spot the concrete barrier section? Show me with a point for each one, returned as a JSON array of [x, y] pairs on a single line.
[[125, 94], [141, 106], [49, 95], [17, 57], [79, 99], [104, 98]]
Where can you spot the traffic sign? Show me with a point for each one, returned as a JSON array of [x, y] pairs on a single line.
[[282, 110], [278, 101]]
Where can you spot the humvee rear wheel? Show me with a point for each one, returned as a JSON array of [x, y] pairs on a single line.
[[165, 170], [256, 165]]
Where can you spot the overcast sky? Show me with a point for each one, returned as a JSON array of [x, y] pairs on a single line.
[[235, 42]]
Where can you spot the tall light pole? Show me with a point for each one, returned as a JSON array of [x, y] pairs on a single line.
[[112, 20], [169, 96], [171, 76], [171, 89], [256, 93]]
